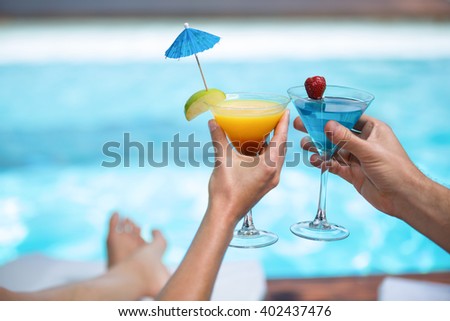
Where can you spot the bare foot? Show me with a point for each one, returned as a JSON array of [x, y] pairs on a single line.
[[126, 248], [148, 260], [124, 238]]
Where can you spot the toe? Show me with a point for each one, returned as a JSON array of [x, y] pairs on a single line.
[[113, 223], [128, 226], [114, 220], [159, 240]]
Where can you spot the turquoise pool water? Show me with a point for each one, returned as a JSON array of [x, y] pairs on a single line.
[[55, 197]]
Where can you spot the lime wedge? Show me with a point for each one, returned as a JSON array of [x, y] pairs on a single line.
[[199, 102]]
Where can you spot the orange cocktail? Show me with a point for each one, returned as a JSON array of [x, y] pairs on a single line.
[[248, 118]]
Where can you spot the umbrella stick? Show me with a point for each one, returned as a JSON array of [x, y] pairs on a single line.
[[201, 72]]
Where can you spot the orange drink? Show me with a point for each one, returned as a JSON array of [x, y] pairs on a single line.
[[247, 121]]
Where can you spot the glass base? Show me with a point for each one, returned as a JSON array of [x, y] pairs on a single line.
[[250, 239], [328, 232]]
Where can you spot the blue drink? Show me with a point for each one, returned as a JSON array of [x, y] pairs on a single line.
[[316, 113], [344, 105]]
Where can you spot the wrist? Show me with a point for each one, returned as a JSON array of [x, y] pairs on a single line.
[[408, 192], [418, 196], [426, 210], [224, 213]]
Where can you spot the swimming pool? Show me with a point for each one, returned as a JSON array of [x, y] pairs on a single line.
[[58, 108]]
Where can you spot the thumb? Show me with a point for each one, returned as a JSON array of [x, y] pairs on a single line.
[[343, 137], [219, 140]]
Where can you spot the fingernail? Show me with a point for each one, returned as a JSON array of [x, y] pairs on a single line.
[[332, 125], [212, 125]]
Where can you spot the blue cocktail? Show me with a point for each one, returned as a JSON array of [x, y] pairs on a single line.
[[316, 113], [344, 105]]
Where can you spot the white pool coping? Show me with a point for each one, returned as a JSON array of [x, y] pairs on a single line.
[[147, 40]]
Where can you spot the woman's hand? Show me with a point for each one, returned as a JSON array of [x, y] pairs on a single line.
[[238, 182]]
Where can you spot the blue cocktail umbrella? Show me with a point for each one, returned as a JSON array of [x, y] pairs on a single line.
[[190, 42]]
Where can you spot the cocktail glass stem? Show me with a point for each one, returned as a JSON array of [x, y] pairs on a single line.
[[320, 221], [320, 229], [250, 237], [248, 228]]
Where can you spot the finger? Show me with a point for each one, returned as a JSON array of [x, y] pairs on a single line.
[[316, 160], [307, 144], [343, 137], [361, 122], [342, 171], [219, 140], [298, 124], [343, 157], [280, 134], [279, 139], [262, 149], [334, 167]]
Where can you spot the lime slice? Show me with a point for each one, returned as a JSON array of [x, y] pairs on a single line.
[[199, 102]]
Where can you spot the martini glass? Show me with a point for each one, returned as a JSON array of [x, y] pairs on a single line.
[[344, 105], [248, 119]]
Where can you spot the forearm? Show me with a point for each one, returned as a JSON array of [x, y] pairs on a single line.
[[427, 209], [195, 277]]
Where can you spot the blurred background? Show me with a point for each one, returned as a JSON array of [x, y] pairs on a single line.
[[436, 9], [77, 74]]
